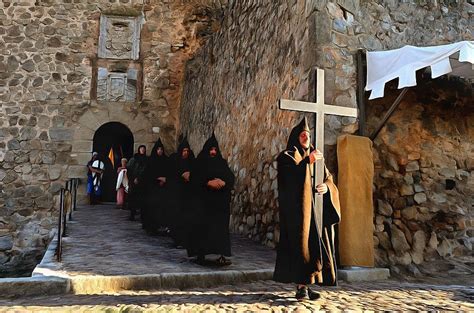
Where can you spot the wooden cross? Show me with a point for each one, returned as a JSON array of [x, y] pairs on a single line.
[[320, 109]]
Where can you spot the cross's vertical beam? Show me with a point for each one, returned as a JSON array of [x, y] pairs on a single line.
[[319, 127], [318, 170]]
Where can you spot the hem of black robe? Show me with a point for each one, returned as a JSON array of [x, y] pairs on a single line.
[[202, 253], [291, 281], [287, 280]]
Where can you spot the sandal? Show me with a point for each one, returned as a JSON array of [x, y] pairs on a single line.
[[222, 261], [301, 293], [313, 295]]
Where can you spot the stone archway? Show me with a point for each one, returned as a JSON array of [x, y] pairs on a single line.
[[143, 129], [113, 141]]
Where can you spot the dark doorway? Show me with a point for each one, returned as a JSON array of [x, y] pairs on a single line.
[[113, 141]]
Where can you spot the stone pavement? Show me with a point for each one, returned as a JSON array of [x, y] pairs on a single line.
[[260, 296], [101, 241], [120, 247]]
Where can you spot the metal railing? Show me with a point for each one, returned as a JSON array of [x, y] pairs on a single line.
[[67, 204]]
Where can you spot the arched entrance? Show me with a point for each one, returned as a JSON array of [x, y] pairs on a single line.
[[112, 141]]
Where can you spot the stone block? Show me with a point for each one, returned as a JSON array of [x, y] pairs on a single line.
[[438, 198], [358, 274], [448, 172], [419, 241], [80, 158], [61, 134], [412, 166], [384, 208], [47, 157], [27, 133], [89, 120], [46, 201], [6, 242], [33, 191], [420, 198], [55, 172], [323, 32], [399, 241], [77, 171], [13, 144], [33, 286], [82, 146], [83, 133], [410, 213], [445, 248]]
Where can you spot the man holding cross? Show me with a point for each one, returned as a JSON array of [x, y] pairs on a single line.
[[305, 254]]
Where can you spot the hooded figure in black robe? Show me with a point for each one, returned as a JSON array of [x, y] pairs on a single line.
[[157, 202], [303, 257], [183, 206], [214, 181], [136, 171]]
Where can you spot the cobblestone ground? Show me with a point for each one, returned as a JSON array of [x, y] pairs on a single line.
[[101, 241], [261, 296], [121, 247]]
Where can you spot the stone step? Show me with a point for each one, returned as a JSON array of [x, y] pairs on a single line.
[[33, 286], [357, 274], [96, 284]]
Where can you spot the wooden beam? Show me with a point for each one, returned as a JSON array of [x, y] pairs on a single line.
[[297, 106], [361, 91], [338, 110], [388, 114]]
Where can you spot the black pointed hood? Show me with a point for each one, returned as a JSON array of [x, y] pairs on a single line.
[[210, 142], [183, 144], [184, 165], [157, 145], [293, 140]]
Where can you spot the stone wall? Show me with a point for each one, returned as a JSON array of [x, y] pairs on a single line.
[[424, 168], [49, 112], [265, 52], [260, 52]]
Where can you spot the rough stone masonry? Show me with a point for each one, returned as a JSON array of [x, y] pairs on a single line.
[[266, 51], [243, 56], [54, 97]]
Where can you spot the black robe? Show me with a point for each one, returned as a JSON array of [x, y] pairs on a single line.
[[210, 231], [302, 256], [183, 206], [136, 168], [157, 207]]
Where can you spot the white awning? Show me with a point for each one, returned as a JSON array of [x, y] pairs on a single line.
[[383, 66]]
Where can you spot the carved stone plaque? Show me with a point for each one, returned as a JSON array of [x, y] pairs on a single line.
[[119, 37], [117, 86]]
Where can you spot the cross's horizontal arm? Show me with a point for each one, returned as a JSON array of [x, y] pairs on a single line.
[[338, 110], [297, 106], [317, 108]]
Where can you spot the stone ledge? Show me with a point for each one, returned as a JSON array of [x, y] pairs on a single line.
[[33, 286], [97, 284], [357, 274]]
